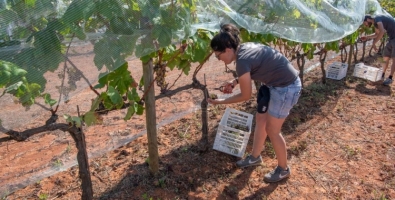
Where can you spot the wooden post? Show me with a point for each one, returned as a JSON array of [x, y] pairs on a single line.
[[204, 105], [83, 164], [351, 53], [150, 117]]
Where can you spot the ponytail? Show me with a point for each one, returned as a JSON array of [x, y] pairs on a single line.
[[228, 37]]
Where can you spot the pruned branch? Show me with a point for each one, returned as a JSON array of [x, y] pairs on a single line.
[[23, 135], [199, 67], [64, 76]]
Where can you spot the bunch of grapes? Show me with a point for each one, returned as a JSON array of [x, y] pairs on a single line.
[[160, 71], [213, 96], [239, 127], [73, 76]]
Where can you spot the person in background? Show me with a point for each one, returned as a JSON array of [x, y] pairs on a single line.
[[383, 24], [280, 91]]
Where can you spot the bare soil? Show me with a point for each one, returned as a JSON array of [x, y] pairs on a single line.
[[340, 142]]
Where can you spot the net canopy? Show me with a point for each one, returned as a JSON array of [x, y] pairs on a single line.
[[307, 21]]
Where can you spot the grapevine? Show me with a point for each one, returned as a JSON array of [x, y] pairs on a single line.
[[160, 71]]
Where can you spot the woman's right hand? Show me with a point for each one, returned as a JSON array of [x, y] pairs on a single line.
[[227, 87]]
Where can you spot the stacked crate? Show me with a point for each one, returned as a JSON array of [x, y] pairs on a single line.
[[336, 70], [367, 72]]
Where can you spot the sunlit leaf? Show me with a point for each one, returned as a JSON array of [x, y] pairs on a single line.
[[95, 103], [49, 100], [130, 112], [114, 95], [91, 118], [77, 121], [140, 109]]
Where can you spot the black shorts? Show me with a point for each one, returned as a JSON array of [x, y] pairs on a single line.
[[389, 49], [263, 99]]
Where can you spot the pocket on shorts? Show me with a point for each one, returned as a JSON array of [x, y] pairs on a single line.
[[296, 97]]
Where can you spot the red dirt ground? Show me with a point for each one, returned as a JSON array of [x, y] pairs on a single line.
[[340, 137]]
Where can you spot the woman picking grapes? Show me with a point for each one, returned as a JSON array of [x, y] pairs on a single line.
[[279, 92]]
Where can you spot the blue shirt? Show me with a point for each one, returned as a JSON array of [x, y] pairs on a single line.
[[388, 23]]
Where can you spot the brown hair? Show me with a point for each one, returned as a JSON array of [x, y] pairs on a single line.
[[228, 37]]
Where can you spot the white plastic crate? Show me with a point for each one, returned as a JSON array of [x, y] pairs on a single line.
[[336, 70], [233, 132], [367, 72]]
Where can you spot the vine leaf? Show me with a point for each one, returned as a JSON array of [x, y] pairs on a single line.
[[8, 16], [95, 104], [91, 118], [130, 113], [163, 34], [140, 109], [119, 79], [173, 63], [13, 87], [48, 100], [115, 97], [185, 65], [133, 96], [78, 10], [72, 120]]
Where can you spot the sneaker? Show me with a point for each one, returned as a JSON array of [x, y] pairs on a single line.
[[387, 81], [277, 174], [249, 161]]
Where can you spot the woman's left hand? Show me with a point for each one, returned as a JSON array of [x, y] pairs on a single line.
[[227, 87]]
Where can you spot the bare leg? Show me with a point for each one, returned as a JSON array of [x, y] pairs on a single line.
[[392, 67], [259, 134], [387, 62], [273, 130]]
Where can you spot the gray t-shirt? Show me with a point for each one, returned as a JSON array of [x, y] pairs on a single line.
[[388, 23], [265, 64]]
